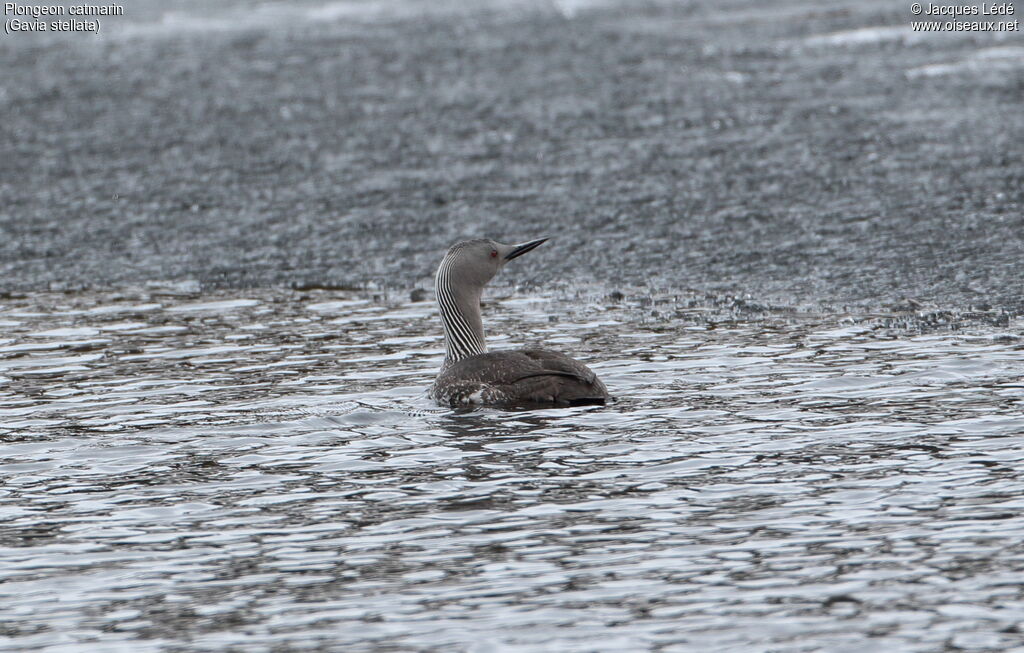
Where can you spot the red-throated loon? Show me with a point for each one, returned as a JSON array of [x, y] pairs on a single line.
[[472, 376]]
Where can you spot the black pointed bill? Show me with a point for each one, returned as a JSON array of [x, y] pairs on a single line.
[[519, 250]]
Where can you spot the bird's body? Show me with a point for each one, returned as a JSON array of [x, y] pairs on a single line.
[[520, 377], [472, 376]]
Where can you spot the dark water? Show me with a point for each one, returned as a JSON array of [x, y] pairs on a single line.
[[800, 153], [255, 471]]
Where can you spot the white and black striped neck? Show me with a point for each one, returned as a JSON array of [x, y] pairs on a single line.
[[459, 304], [460, 281]]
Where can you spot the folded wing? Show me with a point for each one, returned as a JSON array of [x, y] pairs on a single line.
[[524, 377]]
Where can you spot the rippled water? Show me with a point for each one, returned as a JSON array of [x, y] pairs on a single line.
[[262, 471]]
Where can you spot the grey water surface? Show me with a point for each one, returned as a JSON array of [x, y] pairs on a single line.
[[261, 471], [787, 235], [797, 151]]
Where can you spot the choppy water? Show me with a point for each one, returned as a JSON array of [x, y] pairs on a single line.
[[261, 471]]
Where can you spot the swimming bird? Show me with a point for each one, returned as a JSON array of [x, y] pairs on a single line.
[[520, 378]]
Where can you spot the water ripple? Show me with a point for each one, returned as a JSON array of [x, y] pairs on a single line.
[[218, 472]]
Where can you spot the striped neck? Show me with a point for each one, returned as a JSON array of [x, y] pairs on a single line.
[[460, 315]]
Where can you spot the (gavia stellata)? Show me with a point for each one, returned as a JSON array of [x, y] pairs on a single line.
[[519, 378]]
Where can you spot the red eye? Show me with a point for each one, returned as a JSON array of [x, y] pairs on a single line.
[[494, 253]]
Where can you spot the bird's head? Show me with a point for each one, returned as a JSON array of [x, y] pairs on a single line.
[[472, 263]]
